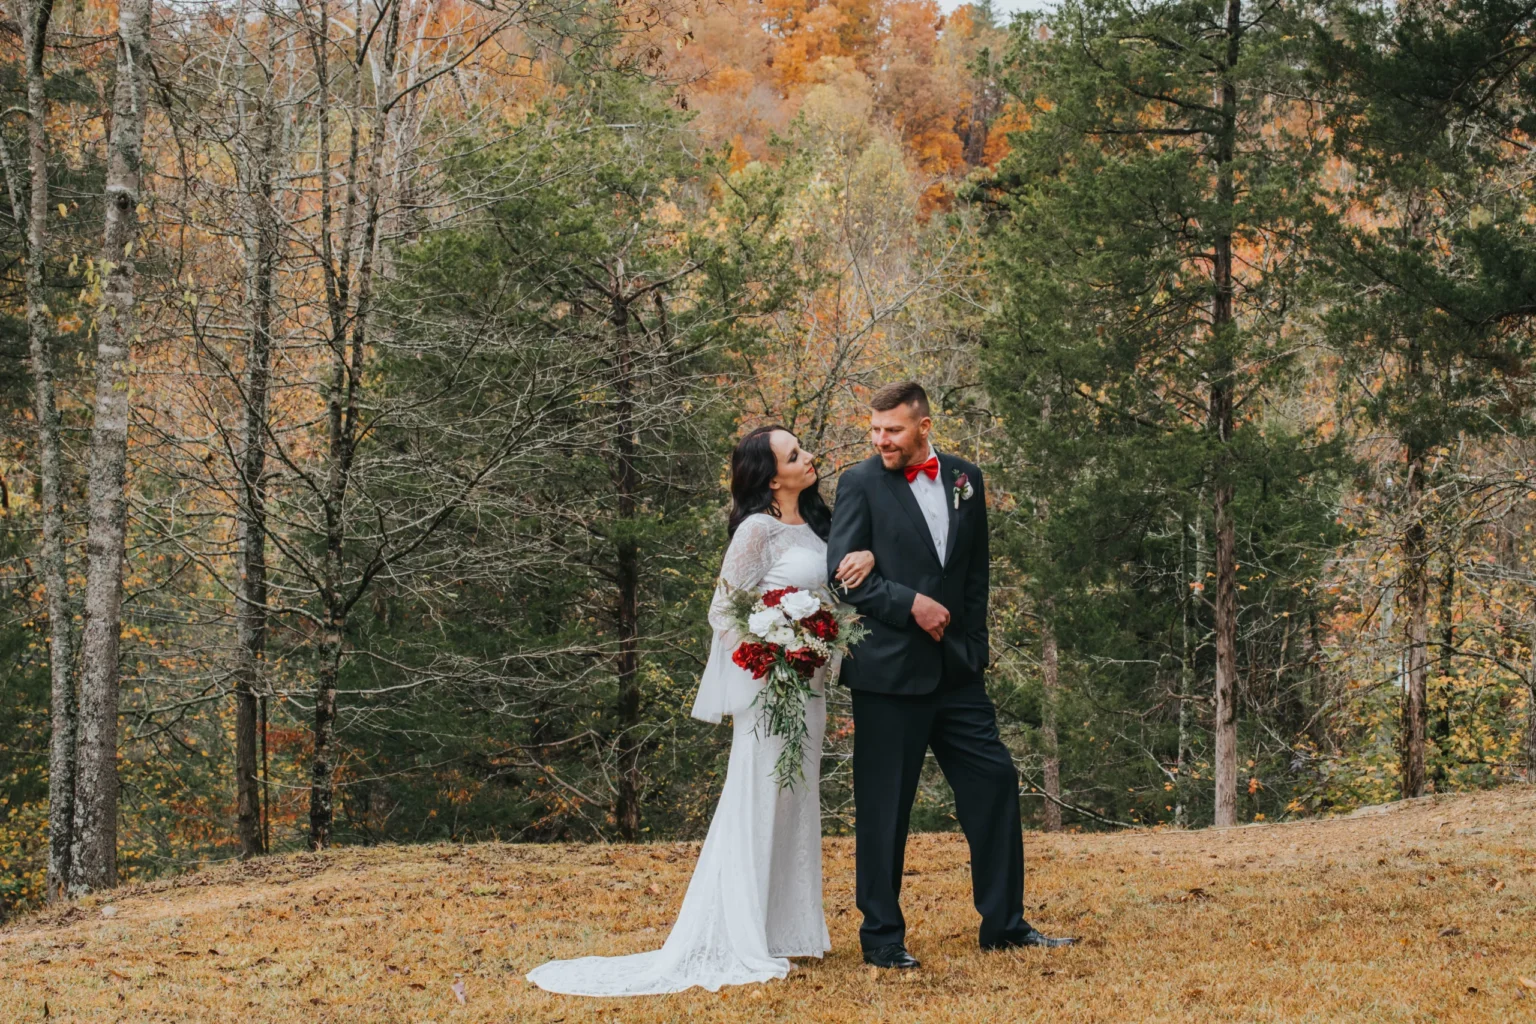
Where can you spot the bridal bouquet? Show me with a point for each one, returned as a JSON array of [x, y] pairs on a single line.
[[790, 634]]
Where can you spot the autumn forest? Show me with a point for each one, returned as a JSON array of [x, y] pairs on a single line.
[[368, 370]]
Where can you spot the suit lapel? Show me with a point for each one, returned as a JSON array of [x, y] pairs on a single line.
[[897, 482], [947, 470]]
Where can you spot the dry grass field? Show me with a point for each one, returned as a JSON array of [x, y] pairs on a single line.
[[1417, 912]]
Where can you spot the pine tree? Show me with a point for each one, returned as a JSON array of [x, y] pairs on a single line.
[[1429, 261], [631, 265], [1148, 228]]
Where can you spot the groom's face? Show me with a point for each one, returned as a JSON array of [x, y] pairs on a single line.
[[900, 435]]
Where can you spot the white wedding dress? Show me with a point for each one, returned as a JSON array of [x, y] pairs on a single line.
[[755, 896]]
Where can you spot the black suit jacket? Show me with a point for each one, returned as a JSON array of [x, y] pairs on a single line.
[[877, 511]]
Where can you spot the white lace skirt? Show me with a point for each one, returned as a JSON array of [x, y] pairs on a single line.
[[755, 896]]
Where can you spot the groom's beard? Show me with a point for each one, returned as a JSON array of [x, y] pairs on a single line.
[[901, 458]]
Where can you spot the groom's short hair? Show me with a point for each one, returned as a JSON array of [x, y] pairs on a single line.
[[907, 392]]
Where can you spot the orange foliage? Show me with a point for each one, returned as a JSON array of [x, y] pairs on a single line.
[[1014, 118], [751, 66]]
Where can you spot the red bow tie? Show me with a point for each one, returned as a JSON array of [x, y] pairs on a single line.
[[931, 467]]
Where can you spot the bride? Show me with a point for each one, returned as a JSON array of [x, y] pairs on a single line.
[[755, 897]]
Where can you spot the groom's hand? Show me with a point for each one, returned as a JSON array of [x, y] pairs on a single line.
[[931, 617]]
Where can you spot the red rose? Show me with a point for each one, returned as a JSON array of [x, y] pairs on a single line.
[[754, 658], [822, 625], [805, 661], [772, 598]]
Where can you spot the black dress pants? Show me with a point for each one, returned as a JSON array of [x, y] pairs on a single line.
[[891, 737]]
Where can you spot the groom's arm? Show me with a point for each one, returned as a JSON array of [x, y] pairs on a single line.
[[978, 580], [889, 602]]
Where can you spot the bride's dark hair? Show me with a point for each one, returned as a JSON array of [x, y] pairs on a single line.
[[753, 467]]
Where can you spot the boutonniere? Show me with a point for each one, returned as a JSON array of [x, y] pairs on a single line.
[[962, 488]]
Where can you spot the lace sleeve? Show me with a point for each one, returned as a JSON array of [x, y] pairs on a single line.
[[747, 561], [724, 688]]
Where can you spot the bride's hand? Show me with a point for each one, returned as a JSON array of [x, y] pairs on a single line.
[[855, 568]]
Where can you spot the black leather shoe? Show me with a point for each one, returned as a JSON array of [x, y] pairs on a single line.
[[895, 956], [1031, 938]]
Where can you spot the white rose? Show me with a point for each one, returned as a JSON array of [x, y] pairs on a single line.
[[781, 634], [760, 623], [799, 604]]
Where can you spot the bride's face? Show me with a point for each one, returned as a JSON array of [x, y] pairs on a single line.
[[797, 467]]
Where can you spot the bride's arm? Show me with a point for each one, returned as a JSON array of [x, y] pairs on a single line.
[[724, 688], [747, 561]]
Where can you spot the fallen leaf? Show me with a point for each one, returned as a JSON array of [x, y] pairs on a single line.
[[458, 991], [1449, 930], [418, 986], [1528, 983]]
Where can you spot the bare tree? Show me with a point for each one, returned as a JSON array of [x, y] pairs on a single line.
[[95, 856], [34, 17], [259, 141]]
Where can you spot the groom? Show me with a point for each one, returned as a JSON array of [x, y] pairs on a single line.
[[917, 678]]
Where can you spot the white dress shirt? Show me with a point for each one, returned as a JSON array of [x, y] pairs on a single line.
[[930, 498]]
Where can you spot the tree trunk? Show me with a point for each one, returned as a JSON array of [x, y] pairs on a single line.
[[1221, 425], [62, 751], [1447, 646], [1051, 677], [266, 783], [1530, 714], [251, 595], [321, 766], [1416, 592], [1226, 660], [1185, 760], [628, 570], [95, 854]]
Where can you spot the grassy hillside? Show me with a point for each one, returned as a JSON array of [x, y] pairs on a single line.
[[1416, 912]]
